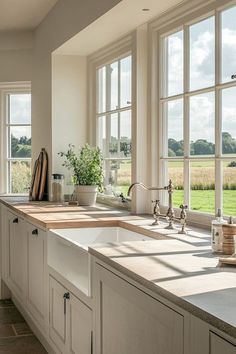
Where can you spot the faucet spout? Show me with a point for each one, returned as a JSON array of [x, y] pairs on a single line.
[[144, 187]]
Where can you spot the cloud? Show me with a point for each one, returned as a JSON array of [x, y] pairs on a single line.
[[202, 117]]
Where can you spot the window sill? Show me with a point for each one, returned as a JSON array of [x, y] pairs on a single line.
[[113, 201]]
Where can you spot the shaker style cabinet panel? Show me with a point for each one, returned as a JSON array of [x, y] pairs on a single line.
[[14, 247], [81, 335], [36, 260], [219, 345], [130, 321], [70, 325], [57, 317]]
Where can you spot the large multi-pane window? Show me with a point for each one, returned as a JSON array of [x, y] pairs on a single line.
[[198, 112], [113, 117], [17, 141]]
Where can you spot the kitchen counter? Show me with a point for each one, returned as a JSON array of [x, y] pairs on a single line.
[[182, 269], [55, 215]]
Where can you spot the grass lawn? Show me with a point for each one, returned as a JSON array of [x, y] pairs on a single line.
[[205, 201], [202, 173]]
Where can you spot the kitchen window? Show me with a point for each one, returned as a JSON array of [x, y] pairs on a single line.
[[197, 107], [16, 124], [113, 122]]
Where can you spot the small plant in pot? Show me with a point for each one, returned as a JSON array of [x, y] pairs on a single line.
[[87, 172]]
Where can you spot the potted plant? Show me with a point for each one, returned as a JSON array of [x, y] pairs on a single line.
[[87, 172]]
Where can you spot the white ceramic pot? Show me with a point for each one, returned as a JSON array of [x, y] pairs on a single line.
[[86, 195]]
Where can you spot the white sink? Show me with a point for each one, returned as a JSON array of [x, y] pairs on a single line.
[[68, 250], [85, 237]]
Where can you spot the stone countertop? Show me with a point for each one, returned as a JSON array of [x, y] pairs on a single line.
[[182, 269]]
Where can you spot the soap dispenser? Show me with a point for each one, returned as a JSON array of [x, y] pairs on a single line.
[[217, 232]]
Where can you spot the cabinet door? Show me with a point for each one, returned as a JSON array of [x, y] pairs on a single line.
[[80, 338], [15, 248], [132, 322], [36, 257], [57, 317], [219, 345]]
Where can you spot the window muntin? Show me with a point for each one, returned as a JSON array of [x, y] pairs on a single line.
[[228, 49], [18, 142], [114, 123], [207, 116]]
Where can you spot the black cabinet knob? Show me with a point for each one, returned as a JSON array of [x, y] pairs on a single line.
[[35, 232], [15, 221]]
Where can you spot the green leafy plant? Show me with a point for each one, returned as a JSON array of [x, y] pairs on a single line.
[[86, 166]]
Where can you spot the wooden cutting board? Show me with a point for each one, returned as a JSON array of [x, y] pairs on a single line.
[[44, 171]]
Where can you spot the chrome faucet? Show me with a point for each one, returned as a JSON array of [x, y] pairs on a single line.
[[156, 212], [170, 214]]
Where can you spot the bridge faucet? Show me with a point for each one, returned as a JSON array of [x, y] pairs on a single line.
[[170, 215]]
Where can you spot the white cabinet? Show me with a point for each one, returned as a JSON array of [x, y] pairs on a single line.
[[36, 272], [70, 321], [13, 242], [219, 345], [130, 321]]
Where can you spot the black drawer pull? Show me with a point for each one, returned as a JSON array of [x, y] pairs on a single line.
[[35, 232], [15, 221]]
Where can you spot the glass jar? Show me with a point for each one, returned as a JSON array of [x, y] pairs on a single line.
[[57, 188]]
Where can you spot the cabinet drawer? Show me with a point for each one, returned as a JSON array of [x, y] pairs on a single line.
[[219, 345]]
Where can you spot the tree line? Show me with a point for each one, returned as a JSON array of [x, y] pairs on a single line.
[[20, 147], [202, 146]]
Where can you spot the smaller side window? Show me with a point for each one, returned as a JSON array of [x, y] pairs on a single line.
[[18, 142]]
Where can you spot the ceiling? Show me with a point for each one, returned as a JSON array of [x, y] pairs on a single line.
[[114, 24], [19, 15]]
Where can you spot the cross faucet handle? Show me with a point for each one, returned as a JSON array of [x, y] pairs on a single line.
[[156, 211]]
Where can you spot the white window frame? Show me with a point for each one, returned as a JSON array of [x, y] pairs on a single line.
[[103, 57], [5, 90], [171, 23]]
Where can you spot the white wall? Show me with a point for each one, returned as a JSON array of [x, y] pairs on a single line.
[[16, 52], [66, 19], [69, 106]]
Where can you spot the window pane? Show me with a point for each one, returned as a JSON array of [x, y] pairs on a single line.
[[202, 54], [102, 142], [175, 173], [228, 33], [175, 128], [20, 177], [114, 137], [117, 176], [229, 121], [229, 187], [20, 142], [114, 85], [102, 89], [202, 194], [174, 53], [20, 108], [125, 81], [202, 124], [125, 134]]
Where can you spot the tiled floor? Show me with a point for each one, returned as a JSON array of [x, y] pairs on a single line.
[[15, 335]]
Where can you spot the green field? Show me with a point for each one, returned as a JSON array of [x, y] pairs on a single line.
[[202, 176]]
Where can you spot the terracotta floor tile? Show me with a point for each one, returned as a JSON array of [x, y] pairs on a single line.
[[10, 315], [21, 345], [6, 330], [6, 303], [22, 329]]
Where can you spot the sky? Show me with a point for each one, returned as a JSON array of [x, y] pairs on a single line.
[[202, 69], [20, 113]]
